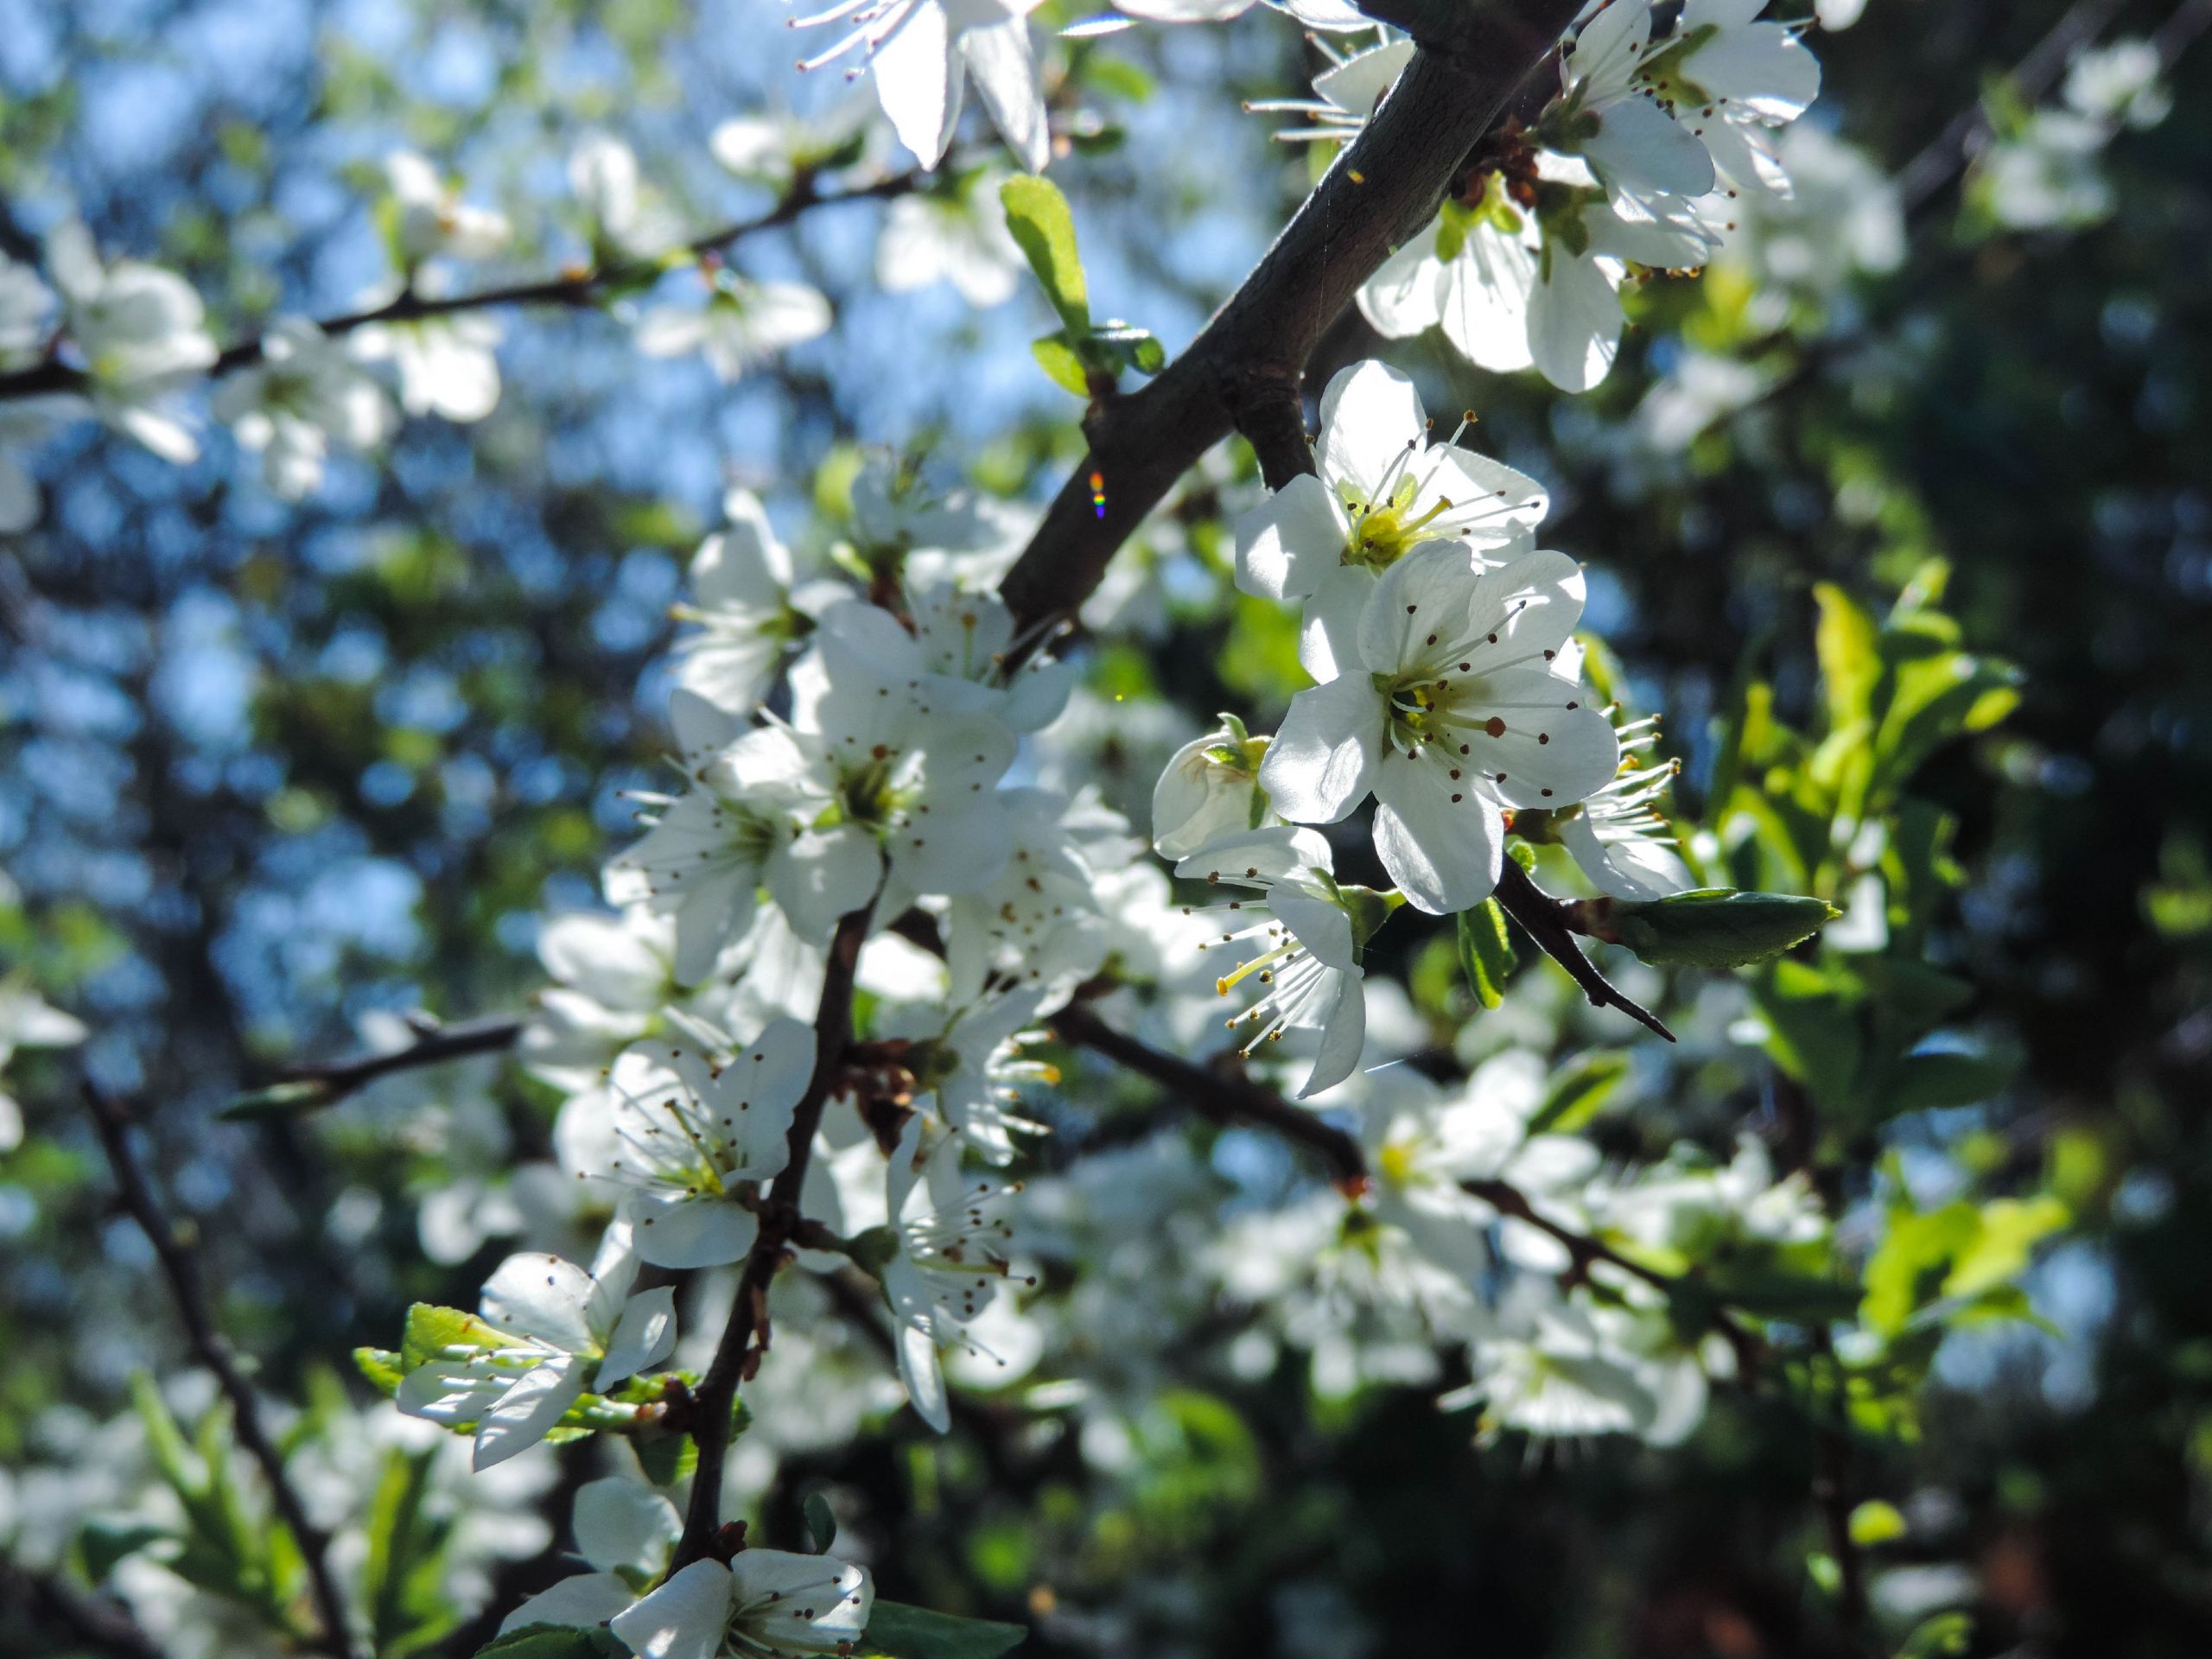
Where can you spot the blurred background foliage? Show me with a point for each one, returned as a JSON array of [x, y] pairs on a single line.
[[265, 770]]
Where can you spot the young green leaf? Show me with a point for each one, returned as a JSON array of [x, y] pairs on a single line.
[[1711, 928], [899, 1631], [821, 1525], [1037, 213], [555, 1641], [1485, 951]]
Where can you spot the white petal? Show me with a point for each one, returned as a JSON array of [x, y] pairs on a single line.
[[622, 1524], [1344, 1036], [542, 1296], [821, 874], [1574, 322], [1556, 750], [1369, 414], [683, 1619], [1762, 69], [1483, 297], [586, 1600], [1321, 927], [526, 1412], [1443, 854], [800, 1604], [643, 1337], [1328, 636], [925, 1378], [1286, 545], [1321, 762], [1405, 295], [918, 80], [706, 1231], [1005, 67], [1638, 143]]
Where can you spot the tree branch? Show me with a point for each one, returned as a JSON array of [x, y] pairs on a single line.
[[98, 1622], [1549, 923], [745, 1337], [311, 1085], [571, 288], [1382, 188], [181, 1267], [1224, 1097]]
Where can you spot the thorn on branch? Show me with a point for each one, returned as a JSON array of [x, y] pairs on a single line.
[[1550, 923]]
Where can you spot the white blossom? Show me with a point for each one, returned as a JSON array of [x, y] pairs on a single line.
[[28, 1021], [922, 54], [1210, 788], [1450, 715], [445, 364], [953, 1246], [1618, 835], [1303, 933], [545, 1330], [741, 606], [681, 1138], [305, 394], [626, 218], [429, 218], [742, 325], [143, 335], [626, 1534], [957, 237], [763, 1604]]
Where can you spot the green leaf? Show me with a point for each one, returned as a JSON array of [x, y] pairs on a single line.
[[1945, 1077], [1875, 1523], [1062, 362], [1712, 928], [666, 1458], [383, 1368], [1036, 214], [2009, 1231], [821, 1525], [431, 1330], [555, 1641], [904, 1632], [1778, 1293], [402, 1579], [1851, 665], [1485, 951], [1938, 1636], [1580, 1092], [108, 1540]]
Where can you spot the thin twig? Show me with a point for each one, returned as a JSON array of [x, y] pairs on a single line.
[[571, 288], [180, 1267], [1549, 923], [310, 1085], [745, 1337], [1225, 1097]]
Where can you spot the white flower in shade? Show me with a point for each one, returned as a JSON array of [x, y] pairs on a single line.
[[911, 757], [681, 1138], [1618, 835], [754, 819], [1574, 315], [545, 1331], [1382, 489], [2120, 81], [430, 220], [957, 236], [742, 325], [1210, 788], [1559, 1377], [626, 1533], [628, 219], [612, 976], [968, 649], [764, 1605], [447, 366], [741, 608], [305, 394], [143, 335], [28, 1021], [25, 422], [1603, 114], [1730, 80], [1036, 924], [973, 1065], [953, 1243], [26, 311], [896, 512], [1450, 715], [923, 52], [1345, 94], [774, 148], [1300, 938]]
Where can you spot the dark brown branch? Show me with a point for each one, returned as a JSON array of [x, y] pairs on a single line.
[[745, 1337], [1225, 1097], [1549, 923], [1383, 188], [90, 1620], [180, 1267], [571, 288], [1273, 422], [311, 1085]]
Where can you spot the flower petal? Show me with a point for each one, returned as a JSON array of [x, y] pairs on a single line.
[[1443, 853], [1321, 764], [684, 1618], [525, 1413], [1287, 545]]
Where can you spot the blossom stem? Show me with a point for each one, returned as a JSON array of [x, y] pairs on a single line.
[[745, 1337], [1548, 923], [180, 1267]]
